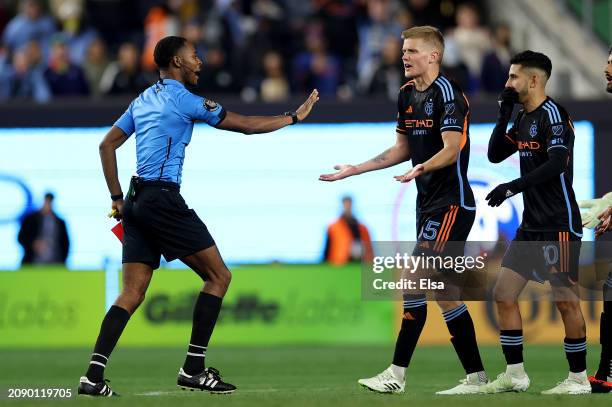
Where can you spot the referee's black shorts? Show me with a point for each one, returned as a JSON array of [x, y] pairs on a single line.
[[160, 222]]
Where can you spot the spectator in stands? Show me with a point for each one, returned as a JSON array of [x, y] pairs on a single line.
[[124, 76], [347, 239], [31, 24], [389, 74], [44, 236], [471, 38], [23, 79], [95, 65], [161, 21], [496, 62], [455, 69], [216, 76], [315, 67], [274, 86], [379, 25], [64, 77], [78, 33]]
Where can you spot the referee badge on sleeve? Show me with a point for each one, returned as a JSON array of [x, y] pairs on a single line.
[[210, 105]]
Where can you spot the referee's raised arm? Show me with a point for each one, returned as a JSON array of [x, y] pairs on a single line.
[[265, 124]]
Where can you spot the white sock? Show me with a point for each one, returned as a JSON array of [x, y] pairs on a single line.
[[516, 370], [579, 377], [399, 372]]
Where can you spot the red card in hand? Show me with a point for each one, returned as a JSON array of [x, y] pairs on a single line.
[[118, 231]]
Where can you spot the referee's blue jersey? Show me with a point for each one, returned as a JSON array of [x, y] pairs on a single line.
[[162, 118]]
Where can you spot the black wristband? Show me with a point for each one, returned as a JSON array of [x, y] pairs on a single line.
[[293, 115], [117, 197]]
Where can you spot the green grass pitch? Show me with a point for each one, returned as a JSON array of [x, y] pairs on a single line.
[[285, 376]]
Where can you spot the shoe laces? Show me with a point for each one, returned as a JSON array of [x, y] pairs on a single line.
[[213, 373], [386, 375]]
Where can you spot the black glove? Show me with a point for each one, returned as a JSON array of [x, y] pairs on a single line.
[[504, 191], [507, 99]]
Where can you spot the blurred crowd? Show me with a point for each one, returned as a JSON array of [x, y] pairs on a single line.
[[260, 49]]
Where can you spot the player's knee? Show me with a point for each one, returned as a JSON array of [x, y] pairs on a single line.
[[568, 307], [221, 277]]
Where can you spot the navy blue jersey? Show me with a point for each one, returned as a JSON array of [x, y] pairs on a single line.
[[422, 117]]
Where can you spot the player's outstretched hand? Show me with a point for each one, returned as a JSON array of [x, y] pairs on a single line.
[[412, 174], [344, 170], [595, 207], [606, 222], [304, 110]]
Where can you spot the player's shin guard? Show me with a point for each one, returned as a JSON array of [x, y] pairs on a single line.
[[112, 326], [575, 351], [463, 338], [205, 314], [415, 315], [512, 345]]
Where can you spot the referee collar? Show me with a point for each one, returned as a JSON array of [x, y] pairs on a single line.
[[173, 82]]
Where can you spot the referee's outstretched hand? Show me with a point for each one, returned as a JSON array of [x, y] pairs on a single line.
[[344, 170], [304, 110]]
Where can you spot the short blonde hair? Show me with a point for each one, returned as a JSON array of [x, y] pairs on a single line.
[[428, 34]]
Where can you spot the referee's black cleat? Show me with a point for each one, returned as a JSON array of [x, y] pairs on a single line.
[[209, 380], [100, 389]]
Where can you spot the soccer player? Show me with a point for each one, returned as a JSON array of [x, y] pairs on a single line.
[[544, 137], [432, 131], [599, 218], [155, 217]]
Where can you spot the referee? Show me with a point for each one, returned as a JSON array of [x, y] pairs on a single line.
[[155, 217]]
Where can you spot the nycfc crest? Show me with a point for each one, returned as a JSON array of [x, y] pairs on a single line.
[[428, 108], [533, 130]]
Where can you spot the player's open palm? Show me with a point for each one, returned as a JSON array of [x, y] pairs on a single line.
[[344, 170], [412, 174], [304, 110]]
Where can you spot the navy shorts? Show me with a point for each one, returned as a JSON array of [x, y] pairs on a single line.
[[159, 222], [541, 256]]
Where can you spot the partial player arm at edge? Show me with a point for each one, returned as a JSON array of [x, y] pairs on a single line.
[[394, 155], [111, 142], [266, 124]]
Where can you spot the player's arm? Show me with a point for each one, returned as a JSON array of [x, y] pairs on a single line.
[[111, 142], [395, 154], [266, 124], [447, 156], [558, 155], [502, 144]]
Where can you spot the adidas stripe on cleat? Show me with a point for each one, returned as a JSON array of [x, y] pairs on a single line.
[[89, 388], [209, 380], [384, 382]]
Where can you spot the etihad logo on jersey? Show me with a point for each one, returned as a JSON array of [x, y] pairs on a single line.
[[528, 145], [417, 123]]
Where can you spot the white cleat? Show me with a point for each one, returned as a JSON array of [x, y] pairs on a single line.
[[384, 382], [506, 382], [570, 386], [470, 385]]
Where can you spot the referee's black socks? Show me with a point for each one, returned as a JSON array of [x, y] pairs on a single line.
[[112, 326], [463, 338], [205, 315]]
